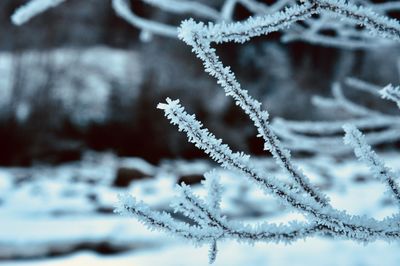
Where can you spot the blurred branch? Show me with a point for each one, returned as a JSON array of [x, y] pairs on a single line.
[[32, 9], [325, 30]]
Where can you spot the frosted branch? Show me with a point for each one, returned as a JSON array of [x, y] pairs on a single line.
[[263, 232], [160, 220], [353, 227], [198, 36], [377, 24], [363, 151], [346, 36], [391, 93], [222, 154], [214, 190], [207, 224]]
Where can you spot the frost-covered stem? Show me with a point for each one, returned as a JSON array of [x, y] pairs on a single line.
[[212, 253], [164, 222], [364, 152], [264, 232], [212, 217], [221, 153], [391, 93], [161, 221], [201, 213], [214, 190], [200, 38], [252, 107], [375, 23], [346, 35], [353, 227], [262, 25], [237, 231], [214, 194], [241, 32]]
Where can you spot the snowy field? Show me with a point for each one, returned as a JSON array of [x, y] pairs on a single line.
[[64, 215]]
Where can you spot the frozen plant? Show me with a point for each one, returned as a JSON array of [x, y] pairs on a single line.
[[210, 226], [343, 34]]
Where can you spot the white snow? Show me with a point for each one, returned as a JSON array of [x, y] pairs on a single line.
[[50, 210]]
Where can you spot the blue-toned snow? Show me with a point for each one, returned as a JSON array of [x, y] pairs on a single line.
[[50, 209]]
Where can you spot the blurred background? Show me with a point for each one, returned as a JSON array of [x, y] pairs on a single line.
[[78, 125]]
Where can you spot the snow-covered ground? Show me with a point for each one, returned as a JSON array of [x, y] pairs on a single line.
[[63, 215]]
